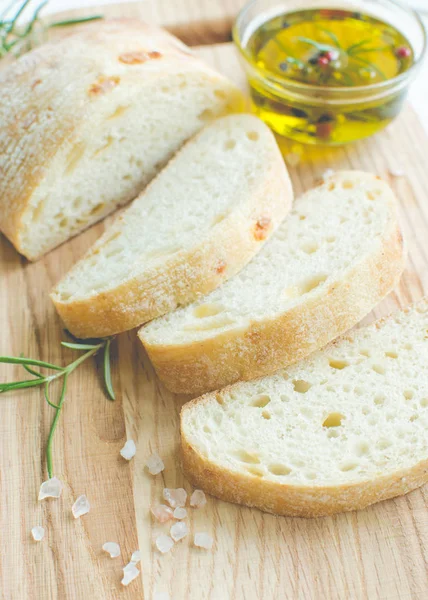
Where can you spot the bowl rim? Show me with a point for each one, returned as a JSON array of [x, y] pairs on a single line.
[[357, 89]]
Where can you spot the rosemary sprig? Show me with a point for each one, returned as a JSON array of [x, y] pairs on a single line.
[[90, 349], [11, 34]]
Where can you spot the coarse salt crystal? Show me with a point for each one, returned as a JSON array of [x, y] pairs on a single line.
[[164, 543], [155, 464], [198, 499], [38, 533], [136, 557], [180, 513], [162, 513], [327, 173], [178, 531], [177, 497], [129, 450], [203, 540], [130, 572], [292, 159], [51, 488], [80, 507], [112, 548]]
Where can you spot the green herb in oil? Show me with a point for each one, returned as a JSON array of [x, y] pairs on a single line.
[[332, 50]]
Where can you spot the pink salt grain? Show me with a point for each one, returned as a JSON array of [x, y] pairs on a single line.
[[198, 499], [177, 497], [162, 513]]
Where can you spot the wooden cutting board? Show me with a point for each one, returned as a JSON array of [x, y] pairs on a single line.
[[381, 552]]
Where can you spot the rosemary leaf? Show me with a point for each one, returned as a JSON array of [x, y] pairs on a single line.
[[21, 360], [333, 37], [107, 371], [68, 22], [47, 398], [53, 427], [76, 346]]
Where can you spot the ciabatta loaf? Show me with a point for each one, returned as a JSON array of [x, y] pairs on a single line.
[[87, 121], [333, 259], [338, 431], [199, 222]]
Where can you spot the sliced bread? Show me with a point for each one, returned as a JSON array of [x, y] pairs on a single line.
[[337, 254], [87, 121], [338, 431], [199, 222]]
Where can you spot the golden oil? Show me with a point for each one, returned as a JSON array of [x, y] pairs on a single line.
[[327, 76]]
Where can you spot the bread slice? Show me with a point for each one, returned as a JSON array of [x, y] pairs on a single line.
[[333, 259], [87, 121], [338, 431], [199, 222]]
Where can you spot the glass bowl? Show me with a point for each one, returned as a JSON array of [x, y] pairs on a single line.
[[321, 115]]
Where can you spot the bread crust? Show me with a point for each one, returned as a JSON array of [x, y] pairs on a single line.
[[219, 255], [51, 93], [294, 500], [267, 345]]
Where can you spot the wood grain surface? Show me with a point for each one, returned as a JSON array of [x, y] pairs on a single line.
[[378, 553]]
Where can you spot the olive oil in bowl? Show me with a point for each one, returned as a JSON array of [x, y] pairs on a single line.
[[326, 75]]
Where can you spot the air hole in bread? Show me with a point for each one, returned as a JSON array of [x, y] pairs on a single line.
[[255, 471], [38, 211], [362, 448], [408, 394], [284, 398], [424, 402], [408, 346], [365, 353], [219, 218], [63, 223], [366, 410], [253, 136], [370, 195], [207, 429], [292, 292], [220, 94], [207, 310], [301, 386], [391, 354], [383, 444], [206, 115], [333, 420], [302, 217], [165, 89], [260, 401], [359, 391], [108, 142], [247, 457], [338, 364], [311, 475], [229, 144], [279, 470], [348, 466], [414, 418], [98, 208], [331, 239], [331, 187], [378, 369], [211, 324], [219, 399], [74, 157], [113, 252], [347, 185], [266, 415], [310, 247], [127, 177], [379, 399], [333, 433], [311, 284], [120, 110]]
